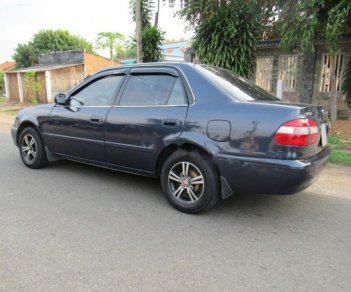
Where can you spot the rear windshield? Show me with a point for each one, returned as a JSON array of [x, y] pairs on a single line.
[[239, 88]]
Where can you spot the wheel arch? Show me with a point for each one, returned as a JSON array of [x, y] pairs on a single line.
[[24, 125], [170, 149], [224, 187]]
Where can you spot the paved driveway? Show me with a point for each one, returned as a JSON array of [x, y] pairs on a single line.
[[71, 227]]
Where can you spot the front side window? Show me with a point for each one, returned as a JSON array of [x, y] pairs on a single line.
[[99, 93], [153, 90]]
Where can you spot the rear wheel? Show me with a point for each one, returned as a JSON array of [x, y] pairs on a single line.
[[31, 148], [190, 182]]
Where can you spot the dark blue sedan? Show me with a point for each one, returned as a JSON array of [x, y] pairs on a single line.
[[203, 131]]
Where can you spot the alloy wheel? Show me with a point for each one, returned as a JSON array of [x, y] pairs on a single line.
[[29, 148], [186, 182]]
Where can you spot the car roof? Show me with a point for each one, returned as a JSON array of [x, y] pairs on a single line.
[[179, 65]]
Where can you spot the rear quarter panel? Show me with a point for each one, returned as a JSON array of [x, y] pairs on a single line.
[[252, 124]]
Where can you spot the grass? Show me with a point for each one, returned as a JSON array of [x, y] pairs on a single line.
[[339, 155], [3, 99], [9, 112]]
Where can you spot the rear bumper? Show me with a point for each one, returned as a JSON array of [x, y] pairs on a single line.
[[270, 176]]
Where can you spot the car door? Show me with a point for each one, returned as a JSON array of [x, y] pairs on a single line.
[[149, 112], [77, 129]]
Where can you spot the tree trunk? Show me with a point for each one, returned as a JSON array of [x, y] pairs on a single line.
[[333, 93], [308, 67], [138, 32]]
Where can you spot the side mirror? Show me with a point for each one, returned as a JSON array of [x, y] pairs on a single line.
[[60, 99]]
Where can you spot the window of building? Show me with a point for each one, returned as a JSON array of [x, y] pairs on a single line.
[[264, 71], [287, 72], [325, 77]]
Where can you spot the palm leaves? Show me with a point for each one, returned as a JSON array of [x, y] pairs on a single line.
[[151, 37], [228, 38]]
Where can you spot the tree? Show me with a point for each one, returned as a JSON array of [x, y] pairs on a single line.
[[33, 84], [157, 13], [225, 32], [146, 9], [151, 37], [125, 51], [269, 15], [109, 40], [25, 55], [2, 83], [46, 41], [138, 31], [303, 22]]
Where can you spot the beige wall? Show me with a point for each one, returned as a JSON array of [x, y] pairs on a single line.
[[95, 63], [64, 79]]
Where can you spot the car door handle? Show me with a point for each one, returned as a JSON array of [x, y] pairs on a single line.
[[171, 123], [97, 120]]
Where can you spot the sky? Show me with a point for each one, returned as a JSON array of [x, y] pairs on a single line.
[[21, 19]]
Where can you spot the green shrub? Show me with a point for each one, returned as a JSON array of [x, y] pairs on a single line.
[[338, 155], [34, 101]]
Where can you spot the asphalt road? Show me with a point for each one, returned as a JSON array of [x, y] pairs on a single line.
[[71, 227]]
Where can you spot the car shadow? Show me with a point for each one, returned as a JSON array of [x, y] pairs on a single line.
[[259, 209], [136, 182]]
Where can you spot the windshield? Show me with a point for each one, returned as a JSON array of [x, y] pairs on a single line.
[[238, 87]]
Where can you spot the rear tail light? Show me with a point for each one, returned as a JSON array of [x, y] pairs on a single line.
[[300, 132]]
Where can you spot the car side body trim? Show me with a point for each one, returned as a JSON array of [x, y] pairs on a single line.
[[129, 146], [159, 105], [74, 138]]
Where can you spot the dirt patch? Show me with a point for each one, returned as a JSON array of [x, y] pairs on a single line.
[[6, 122], [13, 106], [8, 111], [342, 129], [335, 180]]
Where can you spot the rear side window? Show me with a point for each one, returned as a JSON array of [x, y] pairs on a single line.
[[153, 90], [177, 96], [237, 87]]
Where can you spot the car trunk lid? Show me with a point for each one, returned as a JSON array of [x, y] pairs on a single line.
[[305, 112]]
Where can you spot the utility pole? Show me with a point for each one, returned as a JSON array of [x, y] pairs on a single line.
[[138, 31], [157, 13]]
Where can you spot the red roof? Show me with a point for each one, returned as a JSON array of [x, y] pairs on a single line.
[[8, 65]]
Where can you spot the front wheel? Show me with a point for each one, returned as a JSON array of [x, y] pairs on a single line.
[[190, 182], [32, 149]]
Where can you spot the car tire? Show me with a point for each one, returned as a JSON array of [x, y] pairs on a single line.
[[32, 149], [190, 182]]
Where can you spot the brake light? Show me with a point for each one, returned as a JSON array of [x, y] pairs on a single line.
[[300, 132]]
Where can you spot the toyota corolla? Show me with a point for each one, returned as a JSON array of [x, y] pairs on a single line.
[[203, 131]]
